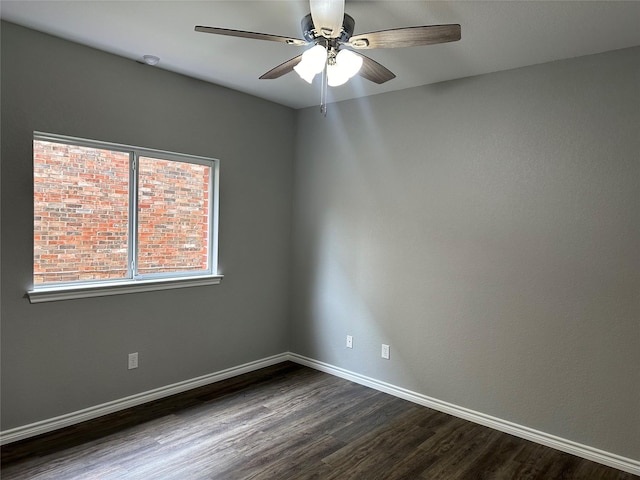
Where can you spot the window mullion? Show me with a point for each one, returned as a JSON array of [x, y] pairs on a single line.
[[133, 215], [213, 219]]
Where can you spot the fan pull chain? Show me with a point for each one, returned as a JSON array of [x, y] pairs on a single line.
[[324, 88]]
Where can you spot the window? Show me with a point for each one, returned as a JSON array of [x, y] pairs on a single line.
[[112, 218]]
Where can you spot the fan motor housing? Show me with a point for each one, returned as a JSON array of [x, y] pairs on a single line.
[[310, 34]]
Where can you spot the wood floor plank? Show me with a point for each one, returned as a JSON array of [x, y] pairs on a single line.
[[496, 461], [287, 422], [372, 414], [463, 453], [357, 461], [288, 459]]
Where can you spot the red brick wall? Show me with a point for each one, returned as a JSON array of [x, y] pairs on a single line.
[[81, 203]]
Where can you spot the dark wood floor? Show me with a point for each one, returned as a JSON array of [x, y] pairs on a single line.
[[287, 422]]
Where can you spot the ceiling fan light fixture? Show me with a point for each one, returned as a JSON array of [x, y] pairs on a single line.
[[312, 63], [347, 64], [330, 30]]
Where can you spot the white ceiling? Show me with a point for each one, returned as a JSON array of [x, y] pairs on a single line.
[[496, 35]]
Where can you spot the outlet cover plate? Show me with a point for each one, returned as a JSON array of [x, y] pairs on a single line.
[[133, 360], [385, 351], [349, 341]]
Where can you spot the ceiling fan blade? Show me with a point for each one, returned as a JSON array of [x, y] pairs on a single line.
[[257, 36], [407, 37], [327, 17], [282, 69], [373, 71]]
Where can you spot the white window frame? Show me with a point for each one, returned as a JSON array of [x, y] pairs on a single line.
[[134, 282]]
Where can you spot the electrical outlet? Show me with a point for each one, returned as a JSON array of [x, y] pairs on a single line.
[[133, 360], [385, 351], [349, 341]]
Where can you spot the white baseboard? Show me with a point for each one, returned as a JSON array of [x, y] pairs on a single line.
[[44, 426], [584, 451], [564, 445]]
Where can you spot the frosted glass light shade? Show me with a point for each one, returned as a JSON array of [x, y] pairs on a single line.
[[312, 63], [349, 62], [336, 76], [327, 16], [347, 65]]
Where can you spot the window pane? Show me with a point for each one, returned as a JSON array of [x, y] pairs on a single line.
[[81, 203], [173, 216]]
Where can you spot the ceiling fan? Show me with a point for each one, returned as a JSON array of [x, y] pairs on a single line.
[[330, 31]]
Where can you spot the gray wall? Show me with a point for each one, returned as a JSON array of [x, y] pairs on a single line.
[[488, 229], [64, 356]]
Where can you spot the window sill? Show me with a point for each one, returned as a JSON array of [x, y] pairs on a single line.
[[53, 294]]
